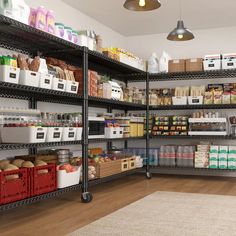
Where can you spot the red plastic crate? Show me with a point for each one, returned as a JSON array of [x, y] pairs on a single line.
[[42, 183], [16, 189]]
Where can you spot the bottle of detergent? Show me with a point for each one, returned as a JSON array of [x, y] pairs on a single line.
[[15, 9], [153, 64], [164, 62]]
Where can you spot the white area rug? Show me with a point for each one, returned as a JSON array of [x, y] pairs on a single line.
[[169, 214]]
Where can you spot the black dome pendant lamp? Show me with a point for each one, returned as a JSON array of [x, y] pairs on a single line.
[[142, 5], [180, 33]]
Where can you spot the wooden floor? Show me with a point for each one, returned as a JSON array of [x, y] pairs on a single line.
[[65, 214]]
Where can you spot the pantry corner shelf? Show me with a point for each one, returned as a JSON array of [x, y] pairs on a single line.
[[193, 107], [214, 74]]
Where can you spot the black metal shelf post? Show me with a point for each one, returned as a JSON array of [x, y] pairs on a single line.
[[86, 196]]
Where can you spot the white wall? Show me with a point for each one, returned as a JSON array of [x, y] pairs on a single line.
[[210, 41], [79, 21]]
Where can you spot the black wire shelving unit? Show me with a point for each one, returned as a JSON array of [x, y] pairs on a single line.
[[24, 39]]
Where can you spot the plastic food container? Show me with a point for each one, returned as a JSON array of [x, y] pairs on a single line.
[[83, 40], [41, 18], [50, 22], [72, 86], [65, 179], [29, 78], [45, 81], [23, 134], [179, 100], [54, 134], [79, 131], [68, 33], [58, 84], [9, 74], [68, 134], [75, 37], [59, 30]]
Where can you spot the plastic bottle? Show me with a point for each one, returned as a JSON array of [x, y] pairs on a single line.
[[153, 63], [32, 17], [50, 22], [68, 33], [41, 18], [164, 62], [60, 30]]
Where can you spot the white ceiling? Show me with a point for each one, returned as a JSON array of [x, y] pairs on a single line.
[[197, 14]]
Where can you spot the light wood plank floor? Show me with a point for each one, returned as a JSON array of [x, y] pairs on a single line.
[[66, 214]]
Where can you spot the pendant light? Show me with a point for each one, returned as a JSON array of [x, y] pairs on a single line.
[[142, 5], [180, 33]]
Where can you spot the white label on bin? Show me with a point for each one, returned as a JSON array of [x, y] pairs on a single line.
[[13, 75], [47, 81], [73, 88], [71, 134], [211, 65], [40, 135], [56, 135], [195, 100], [60, 86], [33, 74]]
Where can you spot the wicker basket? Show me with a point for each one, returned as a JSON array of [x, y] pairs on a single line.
[[108, 168]]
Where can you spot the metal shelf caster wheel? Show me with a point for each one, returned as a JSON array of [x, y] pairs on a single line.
[[148, 175], [86, 197]]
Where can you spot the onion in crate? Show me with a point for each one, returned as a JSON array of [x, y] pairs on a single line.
[[41, 163], [11, 167], [4, 163], [27, 164], [18, 162]]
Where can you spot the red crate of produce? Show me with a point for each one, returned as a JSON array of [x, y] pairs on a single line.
[[13, 185], [42, 179]]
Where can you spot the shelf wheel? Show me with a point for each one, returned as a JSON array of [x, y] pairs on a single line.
[[86, 197], [148, 175]]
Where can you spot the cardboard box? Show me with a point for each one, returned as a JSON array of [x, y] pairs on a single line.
[[213, 157], [213, 164], [214, 149], [223, 149], [223, 164], [232, 149], [223, 157], [195, 64], [177, 65]]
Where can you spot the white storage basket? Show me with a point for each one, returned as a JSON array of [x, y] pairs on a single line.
[[58, 84], [68, 134], [179, 100], [9, 74], [72, 86], [54, 134], [79, 132], [65, 179], [45, 81], [29, 78]]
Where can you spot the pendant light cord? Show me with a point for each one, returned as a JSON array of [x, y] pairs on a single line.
[[180, 9]]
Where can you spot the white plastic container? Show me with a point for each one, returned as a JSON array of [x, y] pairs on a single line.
[[229, 61], [54, 134], [83, 41], [212, 62], [65, 179], [198, 100], [58, 84], [164, 62], [79, 131], [45, 81], [153, 64], [179, 100], [111, 132], [69, 134], [72, 86], [15, 9], [29, 78], [120, 133], [90, 43], [23, 134], [9, 74]]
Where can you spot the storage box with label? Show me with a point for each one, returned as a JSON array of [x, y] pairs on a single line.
[[177, 65], [229, 61], [212, 62], [54, 134], [68, 134], [23, 134], [45, 81], [29, 78], [58, 84], [72, 86], [9, 74], [195, 64]]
